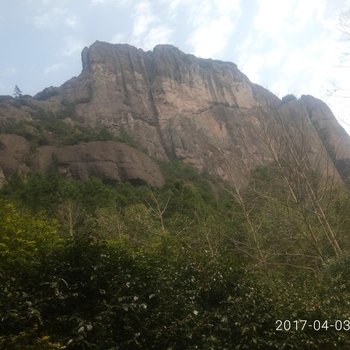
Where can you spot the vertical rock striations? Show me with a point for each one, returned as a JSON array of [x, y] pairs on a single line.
[[201, 111]]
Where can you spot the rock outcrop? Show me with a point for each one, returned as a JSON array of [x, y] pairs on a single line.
[[14, 150], [333, 136], [110, 161], [203, 112]]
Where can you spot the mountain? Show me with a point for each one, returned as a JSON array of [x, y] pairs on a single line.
[[189, 261], [166, 105]]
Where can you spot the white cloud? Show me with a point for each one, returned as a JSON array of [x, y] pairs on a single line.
[[73, 46], [109, 2], [148, 28], [280, 18], [210, 40], [144, 18], [279, 89], [8, 71], [294, 40], [306, 10], [274, 16], [157, 35], [275, 57], [118, 38], [53, 68], [214, 23], [337, 92], [199, 12], [99, 2], [72, 21], [290, 45], [45, 2], [252, 67], [47, 19], [53, 18], [173, 6], [294, 46]]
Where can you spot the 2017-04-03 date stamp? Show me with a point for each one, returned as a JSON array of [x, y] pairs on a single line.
[[316, 325]]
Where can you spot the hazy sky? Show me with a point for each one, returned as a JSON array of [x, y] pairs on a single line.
[[288, 46]]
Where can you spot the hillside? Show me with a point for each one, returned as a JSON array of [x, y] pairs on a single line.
[[170, 105], [162, 201]]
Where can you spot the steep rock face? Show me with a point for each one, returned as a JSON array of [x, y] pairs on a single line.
[[14, 150], [174, 105], [201, 111], [12, 110], [334, 137], [109, 161]]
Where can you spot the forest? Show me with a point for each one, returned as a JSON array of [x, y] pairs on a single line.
[[243, 243], [195, 264]]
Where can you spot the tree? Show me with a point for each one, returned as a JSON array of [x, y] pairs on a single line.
[[17, 92], [337, 88], [24, 237], [70, 215], [309, 181], [290, 206]]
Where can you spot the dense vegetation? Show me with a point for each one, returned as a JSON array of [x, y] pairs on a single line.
[[59, 129], [192, 265]]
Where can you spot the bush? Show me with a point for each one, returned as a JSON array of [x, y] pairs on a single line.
[[112, 295], [155, 269], [288, 98]]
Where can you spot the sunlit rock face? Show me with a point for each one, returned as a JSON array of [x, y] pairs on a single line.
[[110, 161], [175, 106], [203, 112], [333, 136], [14, 150]]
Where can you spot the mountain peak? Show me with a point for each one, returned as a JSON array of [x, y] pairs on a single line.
[[203, 112]]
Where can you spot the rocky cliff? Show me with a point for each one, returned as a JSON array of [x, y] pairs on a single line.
[[109, 161], [203, 112]]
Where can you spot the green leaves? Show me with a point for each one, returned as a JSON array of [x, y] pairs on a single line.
[[101, 296], [23, 237], [90, 266]]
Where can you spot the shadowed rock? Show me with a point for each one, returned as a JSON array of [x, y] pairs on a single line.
[[110, 161], [176, 106], [14, 150]]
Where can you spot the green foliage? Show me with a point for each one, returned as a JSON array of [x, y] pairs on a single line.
[[288, 98], [48, 192], [23, 236], [49, 128], [91, 266], [101, 296], [68, 110], [17, 92], [24, 239], [288, 210], [124, 137]]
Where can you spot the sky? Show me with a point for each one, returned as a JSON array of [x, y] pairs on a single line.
[[288, 46]]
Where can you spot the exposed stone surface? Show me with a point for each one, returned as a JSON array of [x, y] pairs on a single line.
[[42, 160], [107, 160], [12, 110], [176, 106], [2, 178], [334, 137], [14, 150]]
